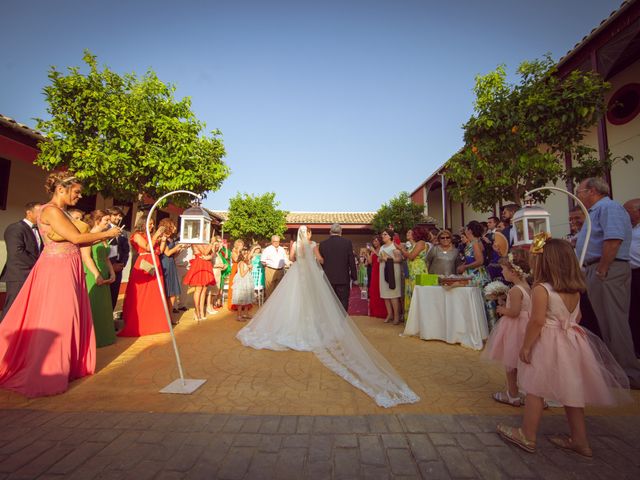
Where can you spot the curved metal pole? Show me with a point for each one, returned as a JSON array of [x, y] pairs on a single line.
[[584, 210], [160, 285]]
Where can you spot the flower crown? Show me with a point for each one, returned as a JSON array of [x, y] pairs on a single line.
[[537, 247], [521, 273]]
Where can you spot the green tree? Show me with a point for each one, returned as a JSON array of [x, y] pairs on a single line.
[[255, 218], [400, 212], [519, 134], [124, 135]]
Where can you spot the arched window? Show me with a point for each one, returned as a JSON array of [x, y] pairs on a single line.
[[624, 105]]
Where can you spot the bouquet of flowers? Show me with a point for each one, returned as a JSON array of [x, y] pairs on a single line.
[[496, 291]]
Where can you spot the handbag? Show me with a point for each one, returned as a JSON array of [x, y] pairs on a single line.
[[147, 267]]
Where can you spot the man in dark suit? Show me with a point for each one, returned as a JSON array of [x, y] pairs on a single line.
[[339, 263], [118, 253], [24, 244]]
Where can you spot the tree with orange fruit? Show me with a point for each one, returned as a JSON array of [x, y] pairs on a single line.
[[520, 133]]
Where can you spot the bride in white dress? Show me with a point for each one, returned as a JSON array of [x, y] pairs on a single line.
[[303, 313]]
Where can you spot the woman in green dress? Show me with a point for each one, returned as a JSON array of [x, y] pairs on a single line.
[[416, 256], [99, 275]]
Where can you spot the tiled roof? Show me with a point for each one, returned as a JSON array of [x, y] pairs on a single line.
[[315, 218], [326, 218], [345, 218], [19, 127], [615, 14]]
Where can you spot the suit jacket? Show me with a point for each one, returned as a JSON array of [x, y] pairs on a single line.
[[339, 262], [22, 252], [122, 242]]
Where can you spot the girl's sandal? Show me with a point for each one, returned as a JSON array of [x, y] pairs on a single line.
[[387, 320], [514, 435], [504, 397], [564, 442]]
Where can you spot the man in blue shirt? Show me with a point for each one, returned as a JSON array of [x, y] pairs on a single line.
[[607, 271]]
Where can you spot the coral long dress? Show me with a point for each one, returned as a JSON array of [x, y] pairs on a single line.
[[46, 338], [143, 312], [377, 308]]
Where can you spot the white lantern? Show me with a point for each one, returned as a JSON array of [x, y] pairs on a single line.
[[195, 225], [528, 222]]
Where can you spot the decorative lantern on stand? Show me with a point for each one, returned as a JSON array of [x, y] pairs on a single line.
[[528, 222], [532, 220], [195, 226]]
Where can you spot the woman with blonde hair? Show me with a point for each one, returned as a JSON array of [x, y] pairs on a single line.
[[46, 338]]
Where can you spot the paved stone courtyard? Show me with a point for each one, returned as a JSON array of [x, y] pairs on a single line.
[[109, 445], [265, 414]]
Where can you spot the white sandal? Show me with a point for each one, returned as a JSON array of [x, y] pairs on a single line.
[[504, 397]]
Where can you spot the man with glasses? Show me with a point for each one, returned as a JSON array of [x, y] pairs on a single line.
[[607, 271], [274, 259]]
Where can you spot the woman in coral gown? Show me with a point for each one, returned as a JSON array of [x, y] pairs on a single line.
[[377, 308], [143, 310], [47, 339]]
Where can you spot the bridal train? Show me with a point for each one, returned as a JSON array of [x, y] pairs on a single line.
[[304, 314]]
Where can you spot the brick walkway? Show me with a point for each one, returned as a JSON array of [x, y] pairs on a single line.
[[84, 445], [265, 414]]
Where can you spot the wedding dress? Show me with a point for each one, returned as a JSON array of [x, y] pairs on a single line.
[[303, 313]]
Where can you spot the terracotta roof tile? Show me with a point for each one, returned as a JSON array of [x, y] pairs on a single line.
[[20, 127], [345, 218]]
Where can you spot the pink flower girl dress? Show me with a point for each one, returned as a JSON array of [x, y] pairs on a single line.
[[570, 364], [506, 338]]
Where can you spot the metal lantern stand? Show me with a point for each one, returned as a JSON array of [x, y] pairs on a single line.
[[582, 207], [181, 385]]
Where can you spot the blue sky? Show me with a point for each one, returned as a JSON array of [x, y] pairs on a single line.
[[333, 105]]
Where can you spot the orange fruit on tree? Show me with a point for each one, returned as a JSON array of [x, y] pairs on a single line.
[[514, 129]]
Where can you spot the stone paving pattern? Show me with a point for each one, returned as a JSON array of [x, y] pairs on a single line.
[[264, 414], [112, 445], [450, 379]]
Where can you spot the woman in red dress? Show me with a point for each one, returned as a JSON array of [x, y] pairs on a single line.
[[200, 276], [377, 307], [46, 338], [143, 310]]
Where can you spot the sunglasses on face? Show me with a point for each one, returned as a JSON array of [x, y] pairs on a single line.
[[444, 238]]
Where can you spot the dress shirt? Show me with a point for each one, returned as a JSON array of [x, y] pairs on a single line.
[[36, 233], [274, 257], [609, 221], [635, 247]]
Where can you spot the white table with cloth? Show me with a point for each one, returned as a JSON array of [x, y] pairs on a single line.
[[454, 315]]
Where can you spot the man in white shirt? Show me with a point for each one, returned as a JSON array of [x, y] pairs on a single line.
[[274, 259], [24, 245], [633, 209]]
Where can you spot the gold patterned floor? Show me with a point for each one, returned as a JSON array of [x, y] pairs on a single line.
[[449, 378]]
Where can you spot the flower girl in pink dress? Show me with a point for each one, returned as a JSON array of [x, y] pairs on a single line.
[[506, 338], [559, 359]]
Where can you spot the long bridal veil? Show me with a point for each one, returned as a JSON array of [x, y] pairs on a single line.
[[303, 313]]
